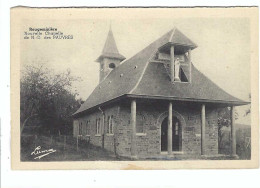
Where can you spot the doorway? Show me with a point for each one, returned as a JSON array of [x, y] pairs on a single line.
[[176, 134]]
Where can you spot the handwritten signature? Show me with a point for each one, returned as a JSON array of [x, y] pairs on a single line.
[[42, 153]]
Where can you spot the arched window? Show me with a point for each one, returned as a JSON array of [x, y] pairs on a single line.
[[98, 126], [110, 125], [80, 128], [88, 127]]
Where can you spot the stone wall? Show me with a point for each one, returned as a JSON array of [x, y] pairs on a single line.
[[191, 139], [149, 143], [124, 132], [149, 140], [211, 132], [96, 139]]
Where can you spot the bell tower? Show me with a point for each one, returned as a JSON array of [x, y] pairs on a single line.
[[176, 56], [110, 57]]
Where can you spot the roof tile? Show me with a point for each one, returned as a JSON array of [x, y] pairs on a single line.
[[151, 79]]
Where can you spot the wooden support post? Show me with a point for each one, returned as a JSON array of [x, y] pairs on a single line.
[[189, 57], [170, 129], [203, 127], [133, 124], [233, 132], [172, 64]]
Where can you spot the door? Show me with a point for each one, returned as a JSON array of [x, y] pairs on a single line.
[[164, 134], [176, 134]]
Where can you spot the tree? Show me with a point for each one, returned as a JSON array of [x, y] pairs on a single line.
[[248, 111], [47, 96], [224, 120]]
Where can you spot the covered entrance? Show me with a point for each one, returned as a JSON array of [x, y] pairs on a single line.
[[176, 134]]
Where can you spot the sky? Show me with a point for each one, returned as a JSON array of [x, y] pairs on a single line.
[[223, 52]]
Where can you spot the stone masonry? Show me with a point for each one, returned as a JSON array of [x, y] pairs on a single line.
[[148, 141]]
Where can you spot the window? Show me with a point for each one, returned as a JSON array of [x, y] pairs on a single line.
[[85, 127], [176, 128], [80, 128], [75, 128], [111, 65], [98, 126], [88, 127], [110, 125], [183, 76], [140, 121]]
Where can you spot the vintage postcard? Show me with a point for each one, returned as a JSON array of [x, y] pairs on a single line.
[[134, 88]]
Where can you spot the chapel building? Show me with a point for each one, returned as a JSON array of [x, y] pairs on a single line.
[[154, 104]]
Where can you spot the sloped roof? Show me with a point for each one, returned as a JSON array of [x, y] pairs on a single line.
[[138, 76], [110, 48], [179, 38], [156, 82]]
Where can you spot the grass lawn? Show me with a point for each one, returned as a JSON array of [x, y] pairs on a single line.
[[86, 152]]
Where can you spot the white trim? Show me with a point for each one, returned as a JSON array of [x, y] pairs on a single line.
[[178, 152], [164, 152], [140, 134], [173, 152], [110, 134], [97, 134], [187, 99]]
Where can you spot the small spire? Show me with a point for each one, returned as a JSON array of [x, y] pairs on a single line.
[[110, 47], [110, 44]]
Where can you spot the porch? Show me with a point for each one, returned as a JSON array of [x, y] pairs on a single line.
[[172, 127]]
